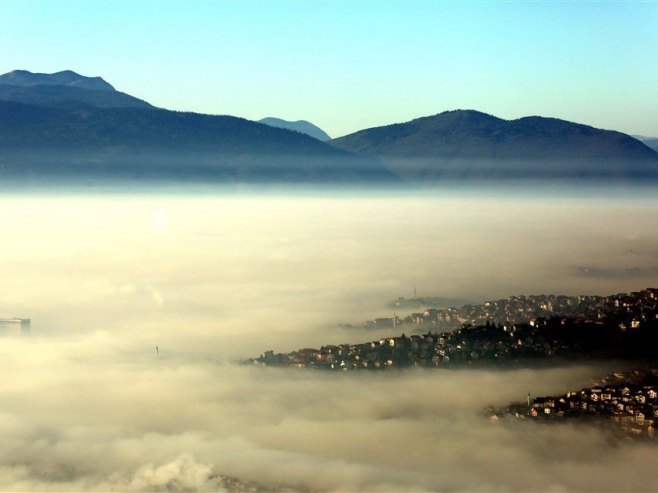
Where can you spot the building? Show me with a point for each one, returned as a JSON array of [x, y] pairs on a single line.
[[14, 326]]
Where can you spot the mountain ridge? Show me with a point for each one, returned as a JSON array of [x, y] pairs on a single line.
[[66, 89], [67, 78], [651, 142], [68, 97], [302, 126], [77, 124], [145, 143], [469, 143], [68, 126]]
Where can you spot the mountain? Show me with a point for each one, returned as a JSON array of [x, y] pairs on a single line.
[[67, 78], [63, 89], [471, 144], [68, 97], [301, 126], [653, 143], [45, 143], [66, 126], [648, 141]]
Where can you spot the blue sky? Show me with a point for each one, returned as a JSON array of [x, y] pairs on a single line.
[[347, 65]]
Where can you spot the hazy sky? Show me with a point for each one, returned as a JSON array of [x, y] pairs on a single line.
[[351, 65]]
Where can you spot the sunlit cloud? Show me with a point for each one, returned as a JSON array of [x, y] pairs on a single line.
[[89, 404], [161, 221]]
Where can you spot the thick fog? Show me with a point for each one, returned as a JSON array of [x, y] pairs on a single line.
[[88, 404]]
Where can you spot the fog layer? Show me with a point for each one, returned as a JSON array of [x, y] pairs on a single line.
[[88, 403]]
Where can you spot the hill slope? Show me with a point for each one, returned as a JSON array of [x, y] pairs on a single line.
[[649, 141], [468, 143], [69, 127], [148, 143], [301, 126], [68, 97]]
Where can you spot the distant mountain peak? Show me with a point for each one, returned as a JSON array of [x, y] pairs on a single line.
[[301, 126], [468, 112], [65, 89], [462, 143], [469, 117], [69, 78]]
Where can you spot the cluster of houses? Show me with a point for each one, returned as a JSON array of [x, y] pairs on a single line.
[[632, 311], [604, 334], [515, 309], [467, 346], [231, 484], [634, 406]]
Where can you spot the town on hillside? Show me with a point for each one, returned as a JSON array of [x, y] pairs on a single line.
[[617, 326], [515, 309], [626, 399]]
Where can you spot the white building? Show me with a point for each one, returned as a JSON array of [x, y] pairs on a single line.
[[14, 326]]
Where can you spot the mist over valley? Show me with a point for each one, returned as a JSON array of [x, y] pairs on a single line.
[[328, 247], [213, 277]]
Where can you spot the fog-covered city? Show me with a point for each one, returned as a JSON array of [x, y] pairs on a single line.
[[143, 304], [327, 246]]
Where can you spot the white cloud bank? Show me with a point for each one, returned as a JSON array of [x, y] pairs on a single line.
[[86, 403]]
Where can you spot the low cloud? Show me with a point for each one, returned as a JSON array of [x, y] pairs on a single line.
[[93, 414], [88, 403]]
